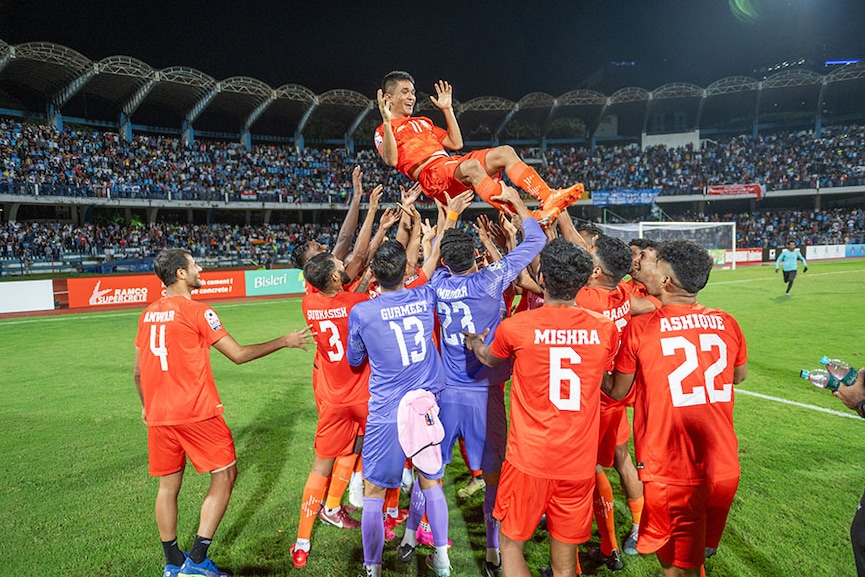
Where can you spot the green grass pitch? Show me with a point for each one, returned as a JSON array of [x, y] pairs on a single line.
[[77, 500]]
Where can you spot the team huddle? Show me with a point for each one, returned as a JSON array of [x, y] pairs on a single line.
[[416, 337]]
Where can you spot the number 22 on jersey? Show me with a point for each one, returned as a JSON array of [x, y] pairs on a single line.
[[699, 395]]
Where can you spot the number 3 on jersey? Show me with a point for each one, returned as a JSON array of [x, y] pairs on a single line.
[[336, 350], [699, 394], [410, 326], [449, 335]]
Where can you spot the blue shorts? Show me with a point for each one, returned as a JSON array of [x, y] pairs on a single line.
[[478, 416], [383, 457]]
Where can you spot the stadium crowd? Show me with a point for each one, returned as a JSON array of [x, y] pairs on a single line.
[[90, 164], [43, 241]]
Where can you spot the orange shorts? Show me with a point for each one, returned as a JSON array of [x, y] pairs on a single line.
[[437, 178], [523, 499], [720, 500], [614, 431], [676, 522], [338, 427], [208, 444]]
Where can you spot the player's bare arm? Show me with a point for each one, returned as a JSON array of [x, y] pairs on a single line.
[[136, 377], [482, 229], [443, 100], [740, 373], [346, 231], [239, 354], [641, 305], [619, 386], [412, 248], [388, 150], [389, 218], [355, 265], [455, 207], [407, 200], [569, 231]]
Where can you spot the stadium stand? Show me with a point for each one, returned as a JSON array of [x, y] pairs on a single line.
[[114, 159]]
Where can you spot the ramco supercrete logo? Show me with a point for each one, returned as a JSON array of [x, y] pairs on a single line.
[[117, 296]]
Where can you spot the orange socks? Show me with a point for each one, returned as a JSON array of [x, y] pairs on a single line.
[[525, 177], [487, 189], [391, 499], [339, 478], [603, 503], [636, 507], [313, 493]]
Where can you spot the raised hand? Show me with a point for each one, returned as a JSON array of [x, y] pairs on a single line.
[[375, 197], [482, 227], [357, 180], [508, 196], [461, 201], [390, 217], [444, 95], [409, 196], [384, 106]]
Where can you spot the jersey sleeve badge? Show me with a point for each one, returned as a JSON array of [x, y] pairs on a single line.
[[212, 319]]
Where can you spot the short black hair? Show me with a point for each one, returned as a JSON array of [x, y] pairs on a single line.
[[457, 249], [389, 264], [318, 269], [615, 255], [588, 227], [642, 243], [566, 268], [168, 262], [391, 78], [690, 262], [298, 253]]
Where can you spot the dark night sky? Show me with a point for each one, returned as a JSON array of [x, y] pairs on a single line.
[[502, 48]]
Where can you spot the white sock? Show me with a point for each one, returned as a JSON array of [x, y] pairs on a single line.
[[441, 558], [302, 545], [494, 556], [410, 539]]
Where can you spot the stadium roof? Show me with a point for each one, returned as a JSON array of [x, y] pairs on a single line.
[[44, 78]]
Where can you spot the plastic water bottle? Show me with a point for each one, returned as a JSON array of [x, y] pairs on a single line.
[[821, 378], [840, 370]]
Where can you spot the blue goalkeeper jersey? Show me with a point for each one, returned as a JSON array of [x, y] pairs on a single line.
[[788, 260], [473, 302], [395, 331]]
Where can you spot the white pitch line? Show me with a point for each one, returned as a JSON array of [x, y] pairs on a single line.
[[769, 278], [794, 403]]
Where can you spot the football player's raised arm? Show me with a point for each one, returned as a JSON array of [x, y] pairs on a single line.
[[388, 149], [349, 224], [444, 102]]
